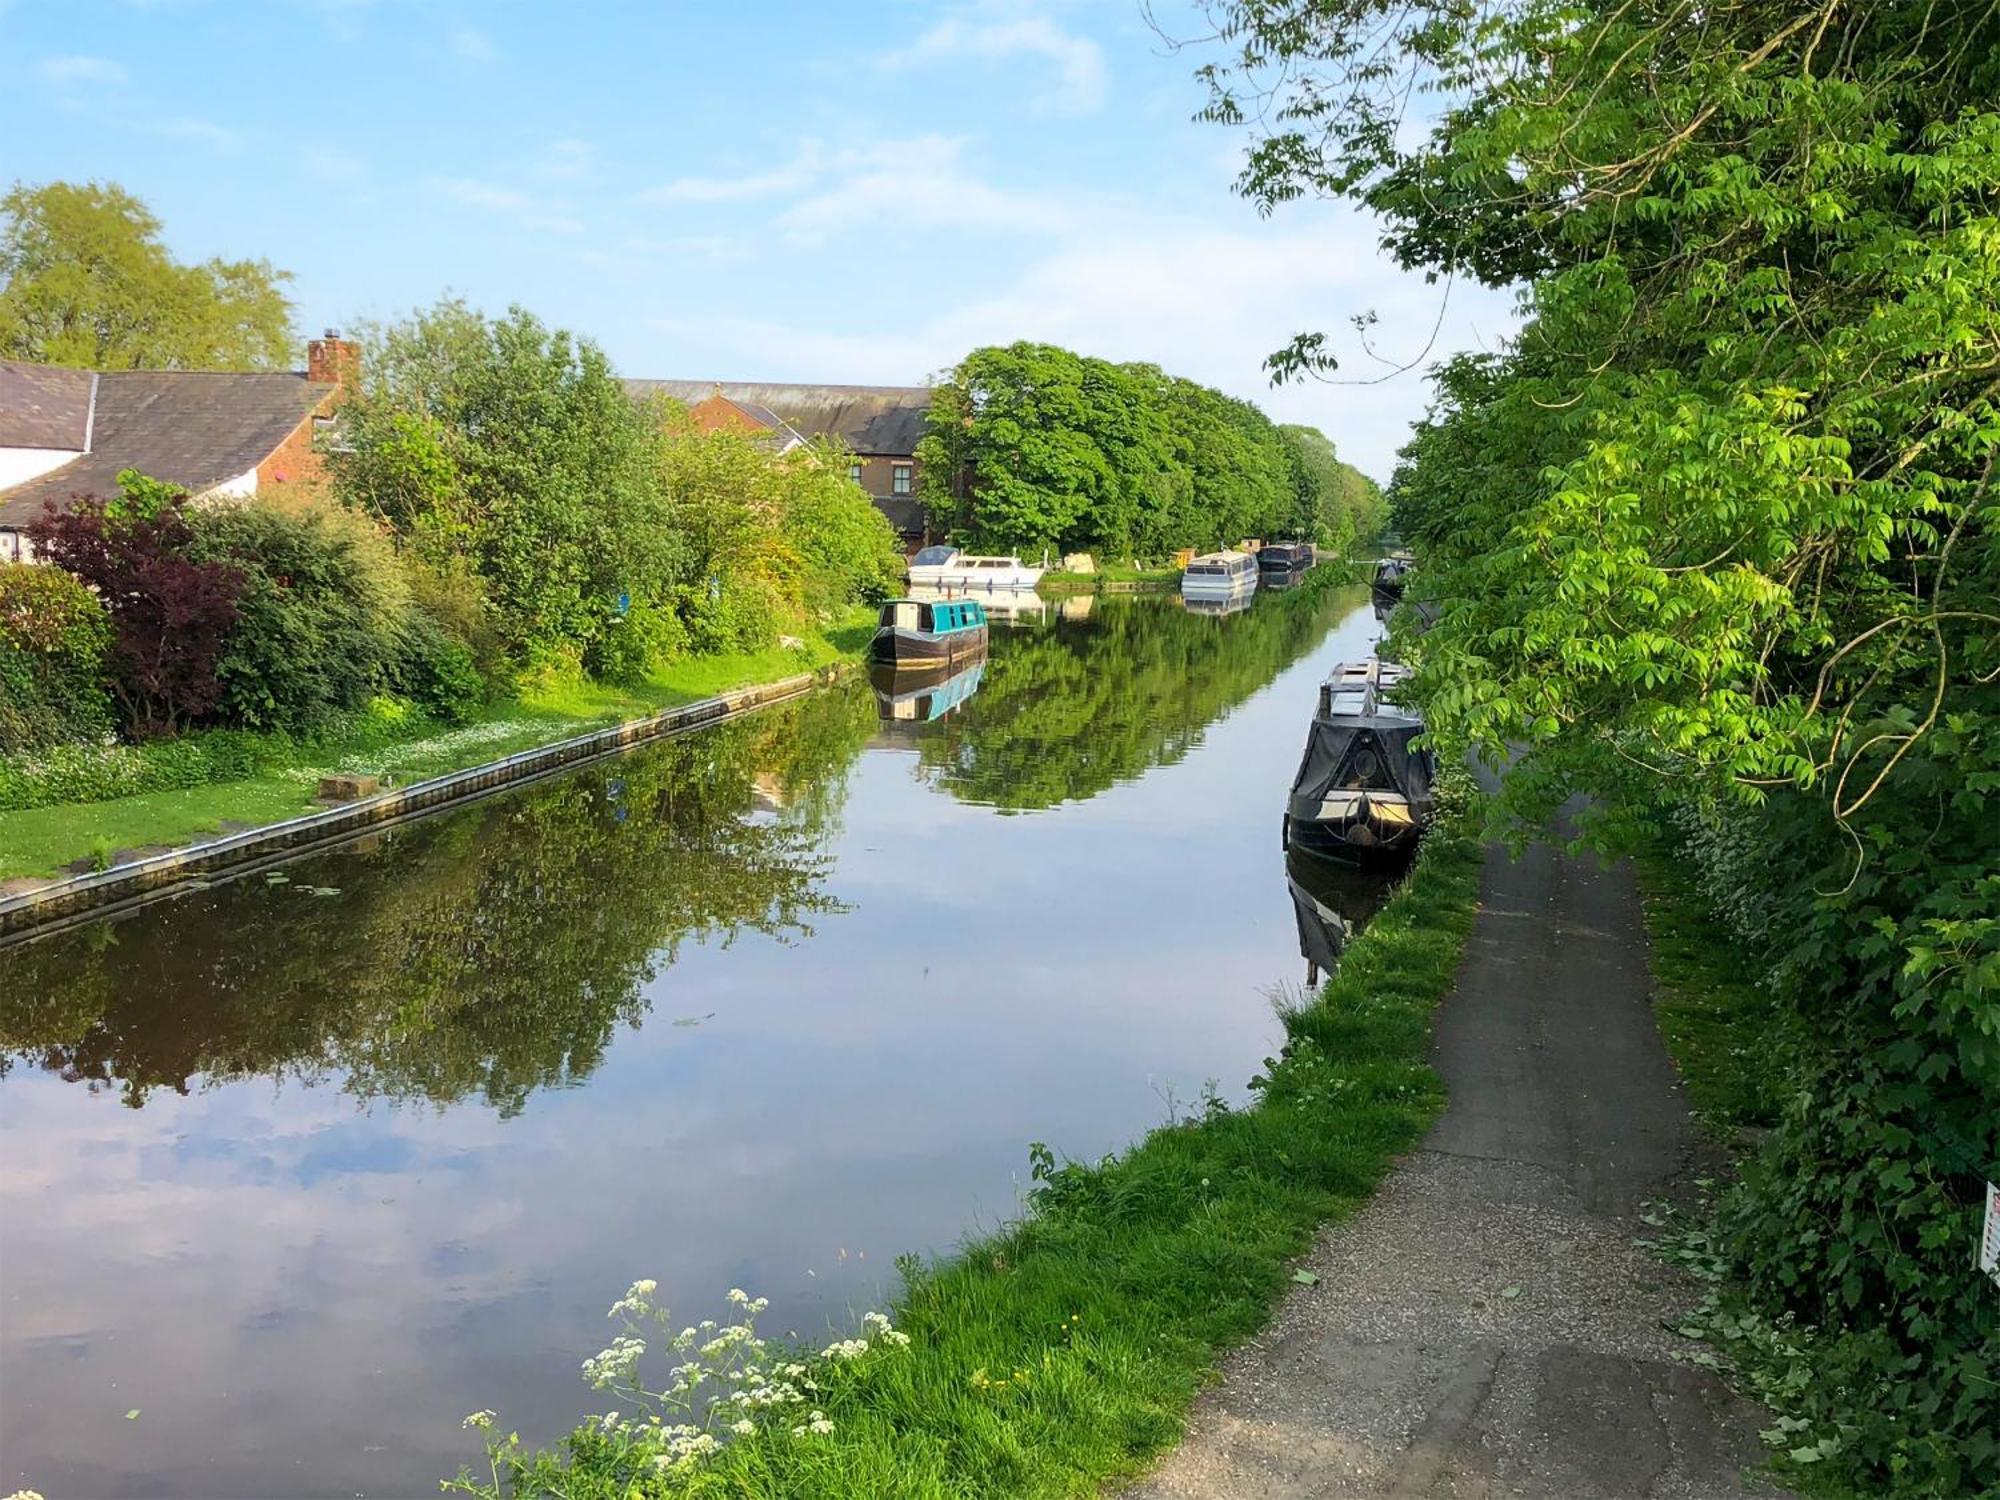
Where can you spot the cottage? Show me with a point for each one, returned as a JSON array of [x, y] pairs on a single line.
[[217, 434], [878, 424]]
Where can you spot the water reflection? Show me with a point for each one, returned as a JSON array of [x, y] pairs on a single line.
[[1330, 904], [306, 1171], [485, 955], [905, 697]]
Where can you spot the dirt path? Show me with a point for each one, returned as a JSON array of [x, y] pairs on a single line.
[[1487, 1327]]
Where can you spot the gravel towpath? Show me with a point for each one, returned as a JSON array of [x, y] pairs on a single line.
[[1487, 1326]]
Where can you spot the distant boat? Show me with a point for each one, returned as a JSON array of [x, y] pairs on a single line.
[[949, 568], [919, 633], [1219, 577], [1281, 558], [1391, 573], [1362, 794], [906, 697]]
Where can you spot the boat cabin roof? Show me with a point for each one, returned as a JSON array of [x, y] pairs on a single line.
[[1219, 561], [1366, 690], [932, 557], [938, 615]]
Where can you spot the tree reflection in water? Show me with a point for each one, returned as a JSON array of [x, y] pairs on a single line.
[[488, 953]]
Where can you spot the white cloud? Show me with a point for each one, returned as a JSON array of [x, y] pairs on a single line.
[[530, 211], [922, 182], [81, 70], [567, 160], [1077, 61], [745, 187], [1205, 302], [184, 128], [472, 45], [331, 165]]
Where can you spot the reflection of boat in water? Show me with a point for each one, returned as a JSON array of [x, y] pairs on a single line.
[[1363, 789], [949, 568], [1002, 608], [1391, 573], [1219, 577], [1330, 903], [1218, 607], [919, 698], [921, 633]]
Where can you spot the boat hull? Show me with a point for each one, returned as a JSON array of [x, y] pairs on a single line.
[[924, 650], [1370, 830]]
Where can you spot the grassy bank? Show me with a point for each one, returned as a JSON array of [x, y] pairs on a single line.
[[1057, 581], [1065, 1350], [253, 779]]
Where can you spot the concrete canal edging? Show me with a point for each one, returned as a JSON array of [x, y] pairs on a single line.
[[64, 903]]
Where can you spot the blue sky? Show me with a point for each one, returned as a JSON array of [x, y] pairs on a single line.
[[831, 191]]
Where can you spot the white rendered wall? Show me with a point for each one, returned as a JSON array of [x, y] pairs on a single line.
[[19, 465]]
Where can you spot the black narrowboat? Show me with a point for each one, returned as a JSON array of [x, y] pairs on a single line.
[[916, 634], [1363, 790], [1391, 573], [1284, 558]]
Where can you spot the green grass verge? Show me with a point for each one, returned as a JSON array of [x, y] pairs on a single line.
[[1065, 1350], [1056, 581], [41, 841], [1719, 1025]]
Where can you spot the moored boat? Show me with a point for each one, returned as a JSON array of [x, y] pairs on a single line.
[[1219, 577], [1391, 573], [1362, 794], [1281, 558], [918, 634], [949, 568]]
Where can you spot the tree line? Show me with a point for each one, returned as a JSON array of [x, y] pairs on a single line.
[[1713, 540], [1031, 446]]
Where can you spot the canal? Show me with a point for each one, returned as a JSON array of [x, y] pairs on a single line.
[[300, 1169]]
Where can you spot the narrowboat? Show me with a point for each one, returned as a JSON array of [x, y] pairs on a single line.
[[1276, 560], [949, 568], [1391, 573], [1362, 794], [920, 633], [1220, 577], [905, 697]]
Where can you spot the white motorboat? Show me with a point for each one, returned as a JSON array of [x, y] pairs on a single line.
[[949, 568], [1220, 577]]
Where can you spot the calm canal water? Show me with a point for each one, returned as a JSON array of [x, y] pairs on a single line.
[[305, 1171]]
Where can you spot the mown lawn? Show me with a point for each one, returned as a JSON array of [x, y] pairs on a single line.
[[41, 841]]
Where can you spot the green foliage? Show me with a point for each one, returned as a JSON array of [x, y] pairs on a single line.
[[1338, 504], [322, 616], [1714, 539], [85, 281], [510, 451], [54, 637], [1065, 1350], [87, 773], [1031, 446]]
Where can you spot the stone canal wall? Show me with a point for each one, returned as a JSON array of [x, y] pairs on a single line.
[[65, 902]]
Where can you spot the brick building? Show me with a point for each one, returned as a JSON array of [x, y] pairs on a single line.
[[217, 434], [878, 424]]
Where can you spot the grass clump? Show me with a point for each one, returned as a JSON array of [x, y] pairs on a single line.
[[1066, 1349]]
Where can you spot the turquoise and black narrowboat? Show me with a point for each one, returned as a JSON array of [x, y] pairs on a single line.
[[925, 633]]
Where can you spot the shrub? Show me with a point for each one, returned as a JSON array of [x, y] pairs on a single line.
[[54, 636], [97, 773], [646, 638], [320, 615], [170, 614], [436, 670]]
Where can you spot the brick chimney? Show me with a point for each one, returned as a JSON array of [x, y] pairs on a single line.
[[333, 360]]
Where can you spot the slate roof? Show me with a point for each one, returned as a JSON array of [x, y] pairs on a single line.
[[43, 407], [195, 429], [876, 421]]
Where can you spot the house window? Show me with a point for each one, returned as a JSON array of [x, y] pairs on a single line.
[[854, 472], [899, 480]]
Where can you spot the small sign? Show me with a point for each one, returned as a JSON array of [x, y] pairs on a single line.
[[624, 603], [1989, 1236]]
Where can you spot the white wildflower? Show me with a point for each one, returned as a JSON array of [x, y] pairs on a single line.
[[481, 1419], [743, 1428]]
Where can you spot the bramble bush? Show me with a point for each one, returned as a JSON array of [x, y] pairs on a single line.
[[54, 635]]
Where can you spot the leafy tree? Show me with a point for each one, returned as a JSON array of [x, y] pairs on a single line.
[[85, 281], [1338, 504], [170, 615], [1715, 540]]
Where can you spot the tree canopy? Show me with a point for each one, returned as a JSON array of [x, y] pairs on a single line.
[[1713, 540], [1032, 446], [86, 282]]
